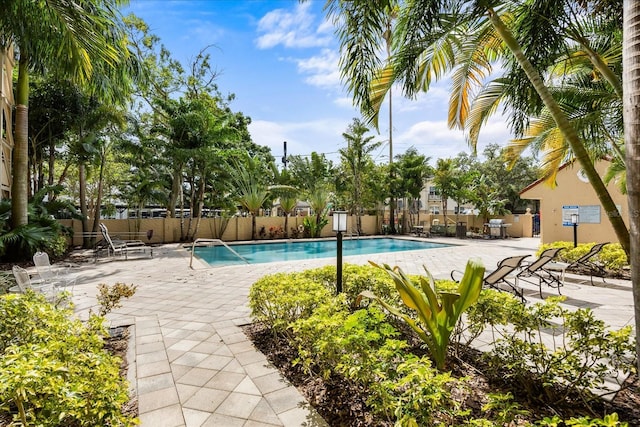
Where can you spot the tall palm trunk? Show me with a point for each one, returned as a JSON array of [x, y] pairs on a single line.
[[392, 199], [96, 213], [176, 186], [19, 185], [631, 102], [254, 236], [568, 131], [82, 183]]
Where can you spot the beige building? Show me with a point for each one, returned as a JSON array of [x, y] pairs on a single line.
[[574, 195], [6, 132]]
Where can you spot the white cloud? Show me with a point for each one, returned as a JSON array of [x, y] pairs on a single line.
[[321, 70], [344, 102], [321, 136], [292, 29], [435, 139]]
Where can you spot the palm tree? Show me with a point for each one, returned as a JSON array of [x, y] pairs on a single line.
[[443, 179], [357, 158], [631, 85], [413, 169], [252, 193], [86, 31], [430, 38]]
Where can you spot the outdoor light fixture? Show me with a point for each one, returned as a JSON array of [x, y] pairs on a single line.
[[575, 219], [339, 226]]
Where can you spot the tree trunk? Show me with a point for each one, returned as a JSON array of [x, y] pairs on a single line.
[[286, 225], [568, 131], [19, 184], [631, 103], [82, 183], [176, 185], [200, 206], [253, 226], [96, 213]]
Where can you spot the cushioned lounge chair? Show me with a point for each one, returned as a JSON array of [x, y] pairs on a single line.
[[503, 277], [545, 270]]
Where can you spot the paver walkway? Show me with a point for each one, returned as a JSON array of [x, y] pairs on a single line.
[[191, 364]]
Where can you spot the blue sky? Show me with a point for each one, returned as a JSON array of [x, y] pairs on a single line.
[[280, 59]]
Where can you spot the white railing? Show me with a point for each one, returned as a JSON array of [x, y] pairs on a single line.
[[207, 242]]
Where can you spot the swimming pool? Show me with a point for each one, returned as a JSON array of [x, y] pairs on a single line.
[[260, 253]]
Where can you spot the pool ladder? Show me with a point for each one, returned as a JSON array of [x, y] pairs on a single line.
[[218, 241], [352, 232]]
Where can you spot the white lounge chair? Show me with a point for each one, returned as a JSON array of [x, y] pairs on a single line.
[[119, 247], [57, 275]]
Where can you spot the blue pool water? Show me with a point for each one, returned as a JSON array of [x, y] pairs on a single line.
[[294, 251]]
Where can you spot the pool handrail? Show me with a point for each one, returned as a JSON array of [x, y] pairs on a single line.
[[193, 246]]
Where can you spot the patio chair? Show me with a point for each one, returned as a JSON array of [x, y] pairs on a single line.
[[23, 279], [503, 276], [546, 271], [122, 247], [59, 276], [586, 262]]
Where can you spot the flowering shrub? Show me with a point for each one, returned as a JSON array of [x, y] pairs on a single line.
[[276, 232]]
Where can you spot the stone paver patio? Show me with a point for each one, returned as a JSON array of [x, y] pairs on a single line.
[[190, 364]]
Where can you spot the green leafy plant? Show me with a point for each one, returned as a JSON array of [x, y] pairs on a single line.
[[109, 297], [355, 279], [550, 370], [436, 315], [313, 227], [280, 299], [54, 370], [610, 420], [43, 232], [492, 309], [424, 395], [503, 407]]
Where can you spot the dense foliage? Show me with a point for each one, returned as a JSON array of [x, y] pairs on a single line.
[[42, 232], [364, 347], [54, 370]]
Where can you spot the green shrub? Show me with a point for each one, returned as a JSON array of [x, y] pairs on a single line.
[[579, 362], [355, 279], [109, 296], [423, 395], [363, 349], [280, 299], [57, 246], [612, 255], [492, 309], [334, 340], [54, 370], [610, 420]]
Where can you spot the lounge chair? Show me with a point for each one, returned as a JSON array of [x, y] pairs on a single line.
[[23, 279], [546, 271], [59, 276], [503, 276], [119, 247], [585, 262]]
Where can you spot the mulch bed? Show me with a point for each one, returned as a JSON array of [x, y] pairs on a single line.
[[117, 344]]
